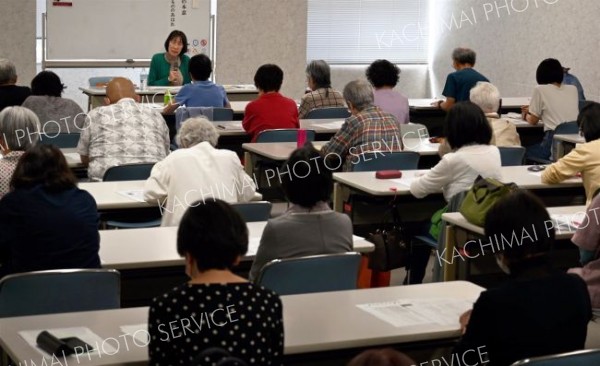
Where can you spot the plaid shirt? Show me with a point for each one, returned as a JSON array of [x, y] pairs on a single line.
[[324, 97], [370, 130]]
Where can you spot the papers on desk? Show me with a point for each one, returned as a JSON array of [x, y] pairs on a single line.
[[513, 115], [569, 222], [406, 180], [137, 331], [230, 126], [253, 244], [134, 194], [163, 89], [333, 125], [83, 333], [416, 312]]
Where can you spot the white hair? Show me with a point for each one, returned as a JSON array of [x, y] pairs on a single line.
[[19, 127], [8, 72], [486, 96], [359, 93], [196, 130]]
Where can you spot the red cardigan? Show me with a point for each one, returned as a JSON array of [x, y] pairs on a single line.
[[270, 111]]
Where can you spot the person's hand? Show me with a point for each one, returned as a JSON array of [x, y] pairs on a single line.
[[464, 320], [175, 77], [524, 112]]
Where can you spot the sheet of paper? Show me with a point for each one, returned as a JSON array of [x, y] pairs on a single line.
[[415, 312], [230, 126], [83, 333], [137, 331], [72, 158], [329, 125], [406, 179], [134, 194], [253, 244], [513, 115], [568, 222]]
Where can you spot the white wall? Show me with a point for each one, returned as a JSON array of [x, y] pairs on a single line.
[[510, 42], [17, 40]]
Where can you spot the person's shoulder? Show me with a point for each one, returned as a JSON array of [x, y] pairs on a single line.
[[175, 292], [268, 295], [288, 100], [185, 58], [158, 56]]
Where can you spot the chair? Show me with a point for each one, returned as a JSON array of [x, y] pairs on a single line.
[[283, 135], [328, 112], [414, 131], [374, 161], [139, 171], [94, 81], [222, 114], [564, 128], [318, 273], [254, 211], [61, 140], [511, 156], [59, 291], [210, 113], [584, 357]]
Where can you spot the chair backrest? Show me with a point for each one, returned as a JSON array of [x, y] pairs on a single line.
[[585, 357], [94, 81], [319, 273], [254, 211], [328, 112], [283, 135], [210, 113], [414, 131], [59, 291], [564, 128], [128, 172], [511, 156], [62, 140], [374, 161]]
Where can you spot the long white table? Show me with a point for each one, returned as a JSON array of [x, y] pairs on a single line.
[[107, 194], [154, 94], [366, 182], [425, 104], [312, 323], [564, 230], [157, 247]]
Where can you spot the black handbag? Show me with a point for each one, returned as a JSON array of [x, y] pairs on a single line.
[[391, 250]]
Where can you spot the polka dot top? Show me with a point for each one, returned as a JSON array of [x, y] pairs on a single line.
[[242, 319]]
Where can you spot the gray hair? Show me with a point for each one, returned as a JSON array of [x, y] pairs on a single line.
[[486, 96], [8, 72], [19, 127], [320, 73], [359, 93], [196, 130], [464, 56]]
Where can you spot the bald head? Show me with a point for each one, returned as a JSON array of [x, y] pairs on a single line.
[[119, 88]]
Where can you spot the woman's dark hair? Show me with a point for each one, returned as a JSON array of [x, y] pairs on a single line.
[[549, 71], [200, 67], [589, 121], [177, 34], [47, 83], [383, 73], [516, 225], [305, 179], [381, 357], [466, 124], [45, 165], [213, 233], [268, 78]]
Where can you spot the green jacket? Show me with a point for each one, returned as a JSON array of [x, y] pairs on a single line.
[[160, 69]]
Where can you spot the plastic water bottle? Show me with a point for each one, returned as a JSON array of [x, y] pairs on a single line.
[[143, 79], [168, 97]]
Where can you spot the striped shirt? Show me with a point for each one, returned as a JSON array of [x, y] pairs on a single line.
[[370, 130], [320, 98]]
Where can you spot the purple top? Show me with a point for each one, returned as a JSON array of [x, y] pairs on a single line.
[[392, 102]]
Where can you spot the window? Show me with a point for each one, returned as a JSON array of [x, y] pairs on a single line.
[[361, 31]]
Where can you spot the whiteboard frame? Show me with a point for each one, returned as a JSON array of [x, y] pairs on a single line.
[[115, 63]]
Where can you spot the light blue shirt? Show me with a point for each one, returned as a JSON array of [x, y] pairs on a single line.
[[202, 94]]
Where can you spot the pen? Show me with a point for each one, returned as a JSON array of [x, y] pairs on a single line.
[[221, 127]]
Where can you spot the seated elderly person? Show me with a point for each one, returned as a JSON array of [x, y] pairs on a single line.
[[322, 95], [308, 188], [19, 129], [196, 172], [56, 114], [384, 77], [10, 93], [367, 129], [124, 132]]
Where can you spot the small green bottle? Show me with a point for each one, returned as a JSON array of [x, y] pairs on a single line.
[[168, 97]]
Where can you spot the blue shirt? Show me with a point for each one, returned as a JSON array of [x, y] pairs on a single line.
[[459, 83], [42, 230], [202, 94]]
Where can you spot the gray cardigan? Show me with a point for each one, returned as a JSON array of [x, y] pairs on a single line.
[[57, 115], [302, 234]]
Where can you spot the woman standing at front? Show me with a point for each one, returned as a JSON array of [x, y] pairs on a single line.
[[171, 67]]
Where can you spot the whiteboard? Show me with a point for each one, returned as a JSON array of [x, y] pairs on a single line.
[[119, 30]]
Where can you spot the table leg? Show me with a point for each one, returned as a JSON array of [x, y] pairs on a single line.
[[338, 198], [449, 265], [248, 163]]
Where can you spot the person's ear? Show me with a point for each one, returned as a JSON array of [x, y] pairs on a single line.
[[237, 261], [190, 265], [106, 101], [137, 98]]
